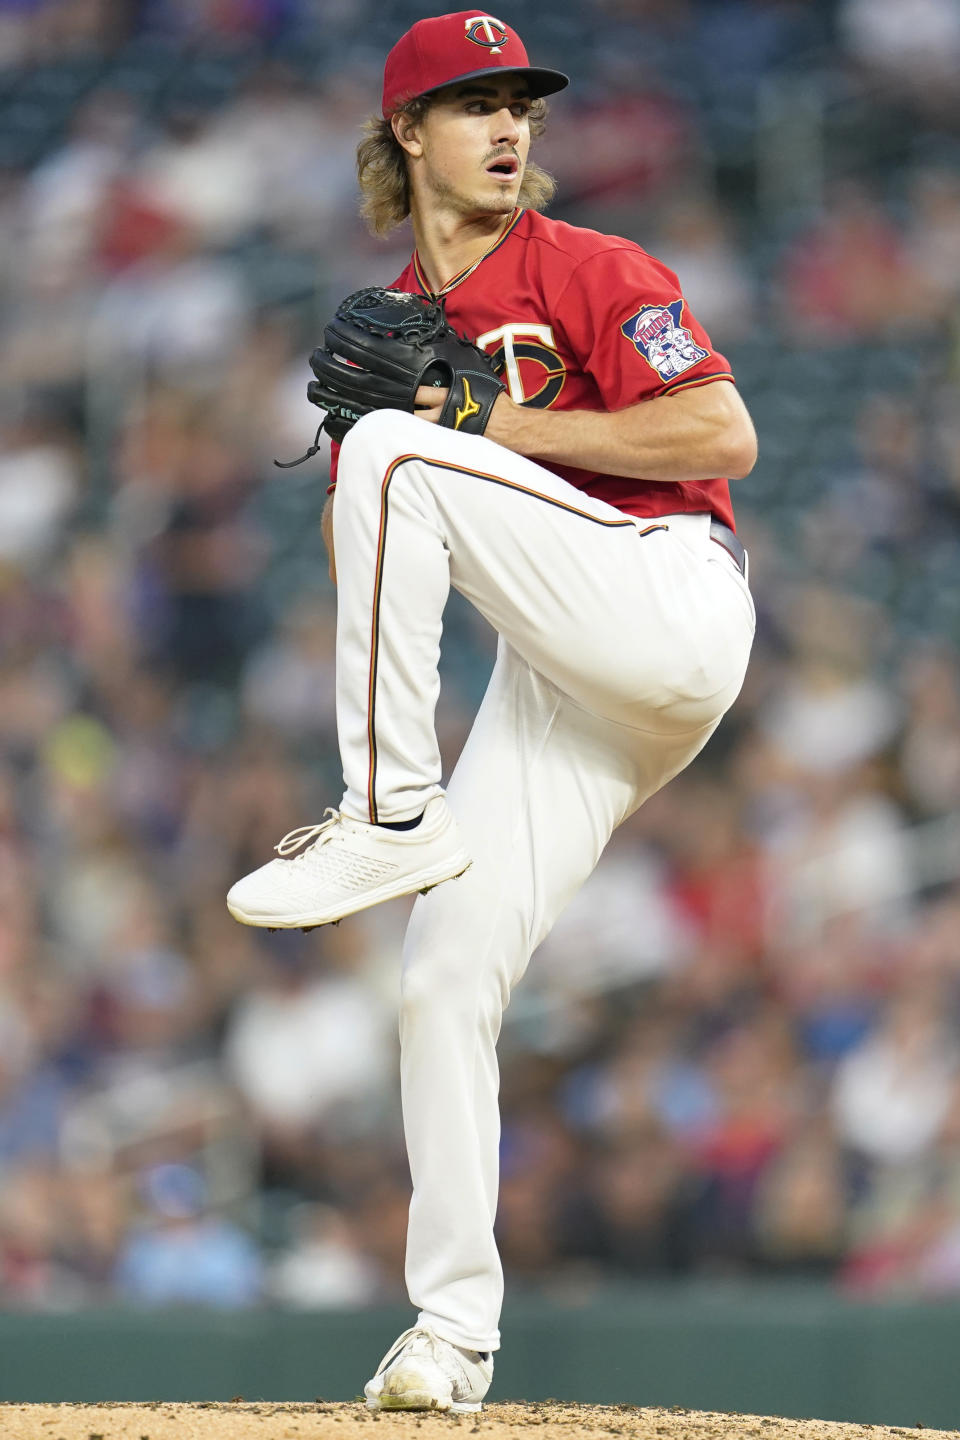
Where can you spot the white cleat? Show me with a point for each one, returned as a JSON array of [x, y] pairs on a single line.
[[342, 865], [422, 1372]]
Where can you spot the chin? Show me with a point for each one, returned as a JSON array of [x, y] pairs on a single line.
[[503, 203]]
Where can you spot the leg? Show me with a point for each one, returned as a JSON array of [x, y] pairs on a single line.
[[638, 628], [538, 790], [649, 629]]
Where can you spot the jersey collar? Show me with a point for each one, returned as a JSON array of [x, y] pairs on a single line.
[[458, 279]]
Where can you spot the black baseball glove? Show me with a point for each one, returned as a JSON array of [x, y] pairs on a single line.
[[381, 345]]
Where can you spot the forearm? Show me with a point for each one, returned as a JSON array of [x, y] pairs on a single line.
[[326, 530], [693, 435]]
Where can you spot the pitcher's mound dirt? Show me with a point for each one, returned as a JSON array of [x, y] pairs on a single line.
[[549, 1420]]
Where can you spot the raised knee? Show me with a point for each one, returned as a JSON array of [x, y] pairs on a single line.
[[375, 434]]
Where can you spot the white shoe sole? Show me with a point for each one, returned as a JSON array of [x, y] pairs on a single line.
[[422, 880], [422, 1400]]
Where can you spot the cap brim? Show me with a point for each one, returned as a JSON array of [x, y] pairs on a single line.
[[542, 82]]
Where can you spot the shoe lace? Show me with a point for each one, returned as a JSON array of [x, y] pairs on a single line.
[[435, 1347], [306, 836], [398, 1345]]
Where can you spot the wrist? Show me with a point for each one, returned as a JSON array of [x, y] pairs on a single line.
[[512, 425]]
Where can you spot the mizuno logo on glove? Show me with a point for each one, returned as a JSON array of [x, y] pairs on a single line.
[[468, 408]]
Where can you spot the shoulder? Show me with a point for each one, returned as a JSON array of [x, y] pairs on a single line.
[[406, 280], [573, 248], [575, 242]]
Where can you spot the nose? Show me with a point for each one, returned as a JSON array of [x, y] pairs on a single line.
[[506, 131]]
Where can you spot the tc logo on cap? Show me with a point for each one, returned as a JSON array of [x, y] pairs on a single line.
[[486, 30]]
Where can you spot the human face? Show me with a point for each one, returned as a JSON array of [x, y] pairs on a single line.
[[470, 149]]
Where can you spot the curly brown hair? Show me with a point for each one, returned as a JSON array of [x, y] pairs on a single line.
[[382, 169]]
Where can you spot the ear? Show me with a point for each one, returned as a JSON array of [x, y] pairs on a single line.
[[406, 132]]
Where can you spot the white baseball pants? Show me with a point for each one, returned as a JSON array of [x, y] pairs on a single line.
[[622, 643]]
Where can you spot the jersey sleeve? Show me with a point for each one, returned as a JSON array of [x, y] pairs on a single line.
[[624, 316]]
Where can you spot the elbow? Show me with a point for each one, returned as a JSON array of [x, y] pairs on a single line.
[[739, 450], [731, 440]]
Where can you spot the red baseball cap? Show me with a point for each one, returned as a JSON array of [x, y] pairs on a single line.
[[462, 46]]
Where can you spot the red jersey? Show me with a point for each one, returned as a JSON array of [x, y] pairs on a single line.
[[575, 320]]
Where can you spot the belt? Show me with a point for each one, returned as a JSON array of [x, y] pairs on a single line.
[[723, 535]]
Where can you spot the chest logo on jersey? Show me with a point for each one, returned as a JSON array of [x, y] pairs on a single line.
[[526, 356], [664, 343], [486, 30]]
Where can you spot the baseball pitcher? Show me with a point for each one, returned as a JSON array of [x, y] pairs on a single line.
[[532, 415]]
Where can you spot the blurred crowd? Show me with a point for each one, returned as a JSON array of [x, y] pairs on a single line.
[[739, 1051]]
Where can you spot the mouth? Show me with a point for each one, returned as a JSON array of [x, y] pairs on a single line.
[[505, 168]]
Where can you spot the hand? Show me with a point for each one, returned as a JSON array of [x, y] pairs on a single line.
[[429, 402], [500, 427]]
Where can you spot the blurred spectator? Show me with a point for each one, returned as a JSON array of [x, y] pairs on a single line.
[[628, 142], [833, 986], [886, 502], [892, 1093], [824, 722], [642, 1206], [694, 240], [933, 239], [847, 852], [32, 1276], [204, 177], [289, 682], [913, 1252], [930, 747], [744, 38], [175, 311], [65, 194], [622, 918], [753, 1075], [541, 1190], [182, 1254], [720, 883], [300, 143], [32, 1095], [308, 1049], [208, 557], [848, 277], [39, 486], [95, 1215], [801, 1207], [47, 29], [325, 1268], [912, 47], [230, 19], [47, 332]]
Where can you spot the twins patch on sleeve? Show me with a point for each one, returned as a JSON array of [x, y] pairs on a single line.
[[666, 345]]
